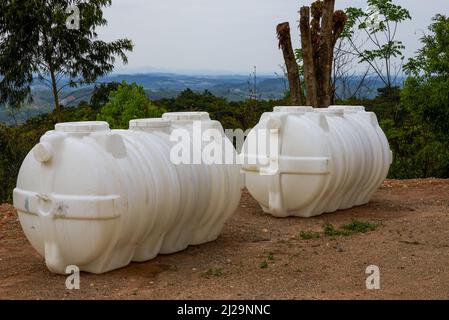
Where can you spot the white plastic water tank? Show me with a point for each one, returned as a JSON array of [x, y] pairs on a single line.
[[99, 198], [322, 160]]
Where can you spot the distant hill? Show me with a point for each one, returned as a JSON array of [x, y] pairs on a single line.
[[167, 85]]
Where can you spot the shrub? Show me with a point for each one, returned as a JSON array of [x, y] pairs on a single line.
[[126, 103]]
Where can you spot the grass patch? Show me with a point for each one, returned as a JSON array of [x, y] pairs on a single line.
[[307, 235], [263, 265], [330, 231], [358, 226], [270, 256], [212, 272]]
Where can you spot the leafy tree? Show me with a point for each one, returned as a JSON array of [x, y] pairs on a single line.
[[421, 137], [189, 100], [100, 94], [433, 57], [379, 23], [126, 103], [35, 42]]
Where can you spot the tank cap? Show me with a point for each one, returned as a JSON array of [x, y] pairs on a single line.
[[43, 152], [186, 116], [293, 109], [349, 109], [149, 123], [331, 111], [82, 127]]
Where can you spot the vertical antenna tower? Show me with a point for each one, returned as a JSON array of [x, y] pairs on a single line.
[[253, 95]]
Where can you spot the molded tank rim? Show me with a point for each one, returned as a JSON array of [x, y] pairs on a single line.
[[186, 116], [349, 109], [293, 109], [82, 126], [331, 111], [149, 123]]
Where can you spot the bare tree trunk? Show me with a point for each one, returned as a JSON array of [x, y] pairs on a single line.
[[318, 39], [316, 12], [307, 51], [285, 43], [326, 53]]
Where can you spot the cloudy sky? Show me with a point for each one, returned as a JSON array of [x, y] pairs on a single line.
[[226, 36]]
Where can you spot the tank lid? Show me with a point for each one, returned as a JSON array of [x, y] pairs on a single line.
[[331, 111], [149, 123], [349, 109], [82, 127], [293, 109], [186, 116]]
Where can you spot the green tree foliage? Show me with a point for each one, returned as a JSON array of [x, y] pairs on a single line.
[[420, 135], [379, 25], [14, 147], [433, 58], [35, 41], [100, 94], [16, 142], [126, 103], [232, 115]]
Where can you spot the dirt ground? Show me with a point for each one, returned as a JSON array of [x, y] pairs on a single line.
[[260, 257]]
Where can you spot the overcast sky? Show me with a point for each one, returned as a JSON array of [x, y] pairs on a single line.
[[226, 36]]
